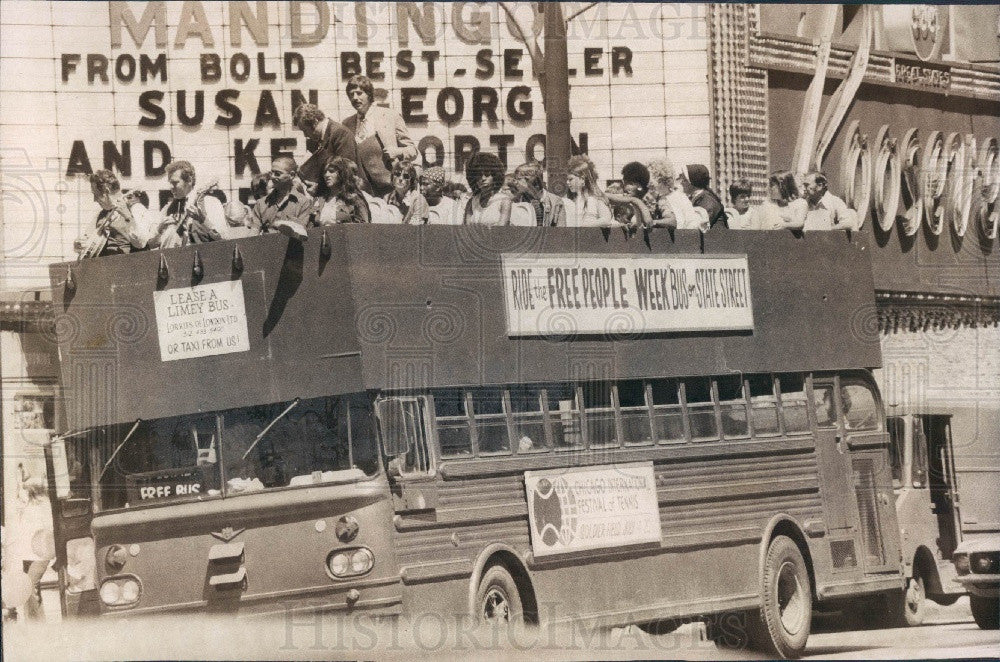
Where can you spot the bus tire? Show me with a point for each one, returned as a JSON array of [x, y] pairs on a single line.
[[945, 599], [662, 626], [498, 600], [783, 626], [910, 606], [986, 612]]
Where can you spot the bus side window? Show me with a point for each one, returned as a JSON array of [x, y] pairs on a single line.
[[363, 449], [564, 416], [733, 406], [454, 433], [528, 418], [701, 409], [860, 410], [600, 412], [668, 415], [635, 412], [763, 405], [824, 406], [794, 403], [490, 421]]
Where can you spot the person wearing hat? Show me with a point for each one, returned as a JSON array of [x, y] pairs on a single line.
[[695, 180], [439, 208]]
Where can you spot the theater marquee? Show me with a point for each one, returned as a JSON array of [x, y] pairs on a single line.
[[558, 295]]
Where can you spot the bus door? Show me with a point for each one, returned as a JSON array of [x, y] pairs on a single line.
[[405, 427], [940, 477], [851, 442], [861, 426]]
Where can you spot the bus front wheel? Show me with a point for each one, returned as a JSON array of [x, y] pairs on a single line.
[[986, 612], [910, 606], [498, 599], [786, 614]]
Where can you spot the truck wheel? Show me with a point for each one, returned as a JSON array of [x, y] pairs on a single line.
[[986, 611], [910, 606], [783, 626], [498, 600], [663, 626]]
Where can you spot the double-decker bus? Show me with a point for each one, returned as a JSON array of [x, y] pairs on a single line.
[[550, 424]]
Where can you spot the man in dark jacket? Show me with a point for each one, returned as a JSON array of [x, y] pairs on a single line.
[[325, 138], [695, 180]]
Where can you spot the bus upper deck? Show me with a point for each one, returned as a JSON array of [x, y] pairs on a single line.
[[357, 308]]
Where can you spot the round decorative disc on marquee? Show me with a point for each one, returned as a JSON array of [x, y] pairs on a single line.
[[887, 179], [911, 185], [857, 172]]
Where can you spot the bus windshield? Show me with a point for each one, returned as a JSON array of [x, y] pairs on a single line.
[[233, 452]]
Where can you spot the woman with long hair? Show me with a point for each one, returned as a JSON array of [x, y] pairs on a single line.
[[588, 205], [338, 199], [670, 206], [785, 209], [487, 206]]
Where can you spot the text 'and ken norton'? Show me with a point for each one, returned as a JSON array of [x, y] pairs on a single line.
[[613, 288]]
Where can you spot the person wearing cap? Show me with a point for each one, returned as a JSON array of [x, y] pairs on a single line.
[[528, 185], [695, 180]]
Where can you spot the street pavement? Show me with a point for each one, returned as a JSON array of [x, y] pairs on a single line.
[[948, 633]]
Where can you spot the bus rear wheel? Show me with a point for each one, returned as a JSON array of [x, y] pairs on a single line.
[[986, 612], [498, 599], [786, 614]]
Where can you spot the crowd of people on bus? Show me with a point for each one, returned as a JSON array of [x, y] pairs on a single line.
[[365, 170]]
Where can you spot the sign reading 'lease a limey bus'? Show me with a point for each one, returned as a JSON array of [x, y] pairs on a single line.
[[592, 508], [625, 294], [203, 320]]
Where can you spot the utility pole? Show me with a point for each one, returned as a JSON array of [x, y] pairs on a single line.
[[551, 69], [555, 98]]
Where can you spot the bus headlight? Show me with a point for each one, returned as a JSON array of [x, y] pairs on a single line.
[[111, 593], [122, 591], [354, 562], [115, 558], [961, 563], [985, 563], [81, 565]]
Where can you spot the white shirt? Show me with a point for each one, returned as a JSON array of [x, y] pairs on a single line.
[[443, 213], [830, 213]]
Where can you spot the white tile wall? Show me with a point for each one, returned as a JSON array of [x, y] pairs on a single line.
[[661, 108]]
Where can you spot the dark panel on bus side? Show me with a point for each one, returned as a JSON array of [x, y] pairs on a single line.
[[442, 318], [299, 316]]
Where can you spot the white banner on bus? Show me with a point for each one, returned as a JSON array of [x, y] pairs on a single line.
[[572, 510], [203, 320], [566, 294]]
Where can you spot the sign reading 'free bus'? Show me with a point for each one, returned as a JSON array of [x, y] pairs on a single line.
[[553, 295]]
